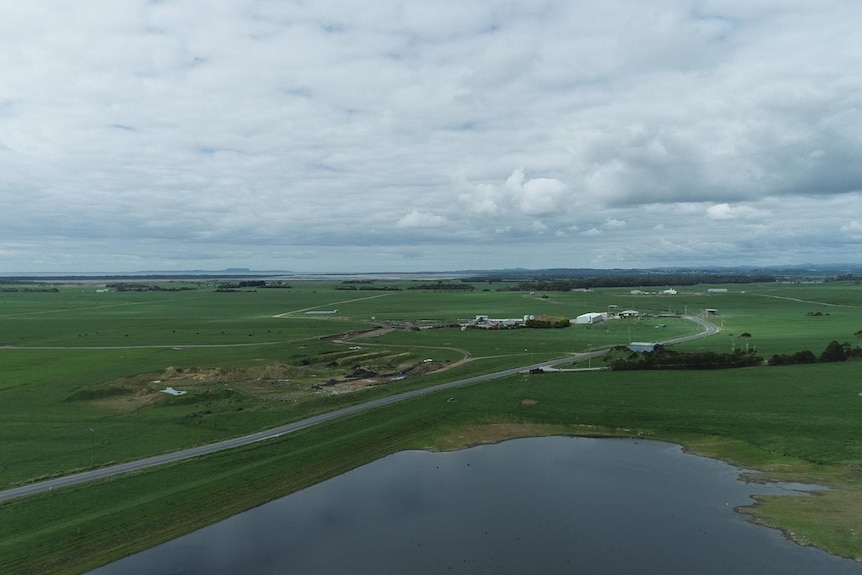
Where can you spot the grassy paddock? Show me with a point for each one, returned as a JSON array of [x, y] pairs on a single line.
[[762, 418], [72, 350], [68, 353]]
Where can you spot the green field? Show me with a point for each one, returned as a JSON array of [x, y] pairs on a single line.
[[78, 354], [82, 373]]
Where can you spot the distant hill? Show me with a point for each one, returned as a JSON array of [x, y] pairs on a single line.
[[794, 271], [797, 271]]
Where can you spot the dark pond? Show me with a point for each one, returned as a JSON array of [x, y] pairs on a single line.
[[547, 505]]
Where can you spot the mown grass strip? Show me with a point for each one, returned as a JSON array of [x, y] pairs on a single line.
[[78, 529]]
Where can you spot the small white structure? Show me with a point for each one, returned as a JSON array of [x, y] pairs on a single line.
[[636, 292], [486, 322], [590, 318], [669, 291], [644, 346], [716, 290], [629, 313], [171, 391]]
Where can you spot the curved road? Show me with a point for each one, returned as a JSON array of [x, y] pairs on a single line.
[[137, 465]]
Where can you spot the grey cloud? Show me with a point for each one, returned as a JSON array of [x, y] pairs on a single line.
[[274, 131]]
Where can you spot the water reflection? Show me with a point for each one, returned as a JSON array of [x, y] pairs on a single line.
[[546, 505]]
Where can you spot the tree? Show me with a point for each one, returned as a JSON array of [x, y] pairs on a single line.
[[834, 352], [858, 335], [804, 356]]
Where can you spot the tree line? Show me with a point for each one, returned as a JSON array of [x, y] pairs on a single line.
[[568, 284], [263, 284], [367, 288], [670, 359], [834, 351], [440, 286], [141, 287], [548, 322]]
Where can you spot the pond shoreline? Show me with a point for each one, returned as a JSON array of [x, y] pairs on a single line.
[[619, 491]]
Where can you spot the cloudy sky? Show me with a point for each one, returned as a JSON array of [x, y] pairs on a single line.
[[407, 135]]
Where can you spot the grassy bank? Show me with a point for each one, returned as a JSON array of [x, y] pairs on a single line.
[[795, 423]]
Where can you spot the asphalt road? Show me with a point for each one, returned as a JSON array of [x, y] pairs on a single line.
[[137, 465]]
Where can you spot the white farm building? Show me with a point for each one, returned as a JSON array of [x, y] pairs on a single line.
[[644, 346], [588, 318]]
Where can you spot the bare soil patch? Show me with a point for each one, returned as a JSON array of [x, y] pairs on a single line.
[[270, 382], [127, 402], [372, 333]]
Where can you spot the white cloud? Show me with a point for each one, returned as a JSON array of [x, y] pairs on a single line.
[[515, 182], [417, 219], [728, 212], [853, 230], [563, 232], [542, 196], [720, 212], [537, 226], [483, 200], [294, 134], [535, 196], [518, 196]]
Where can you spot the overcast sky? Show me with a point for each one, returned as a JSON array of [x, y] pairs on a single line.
[[407, 135]]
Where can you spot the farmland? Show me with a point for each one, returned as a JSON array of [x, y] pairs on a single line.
[[83, 372], [81, 360]]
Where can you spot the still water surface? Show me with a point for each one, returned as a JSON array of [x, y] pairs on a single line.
[[545, 505]]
